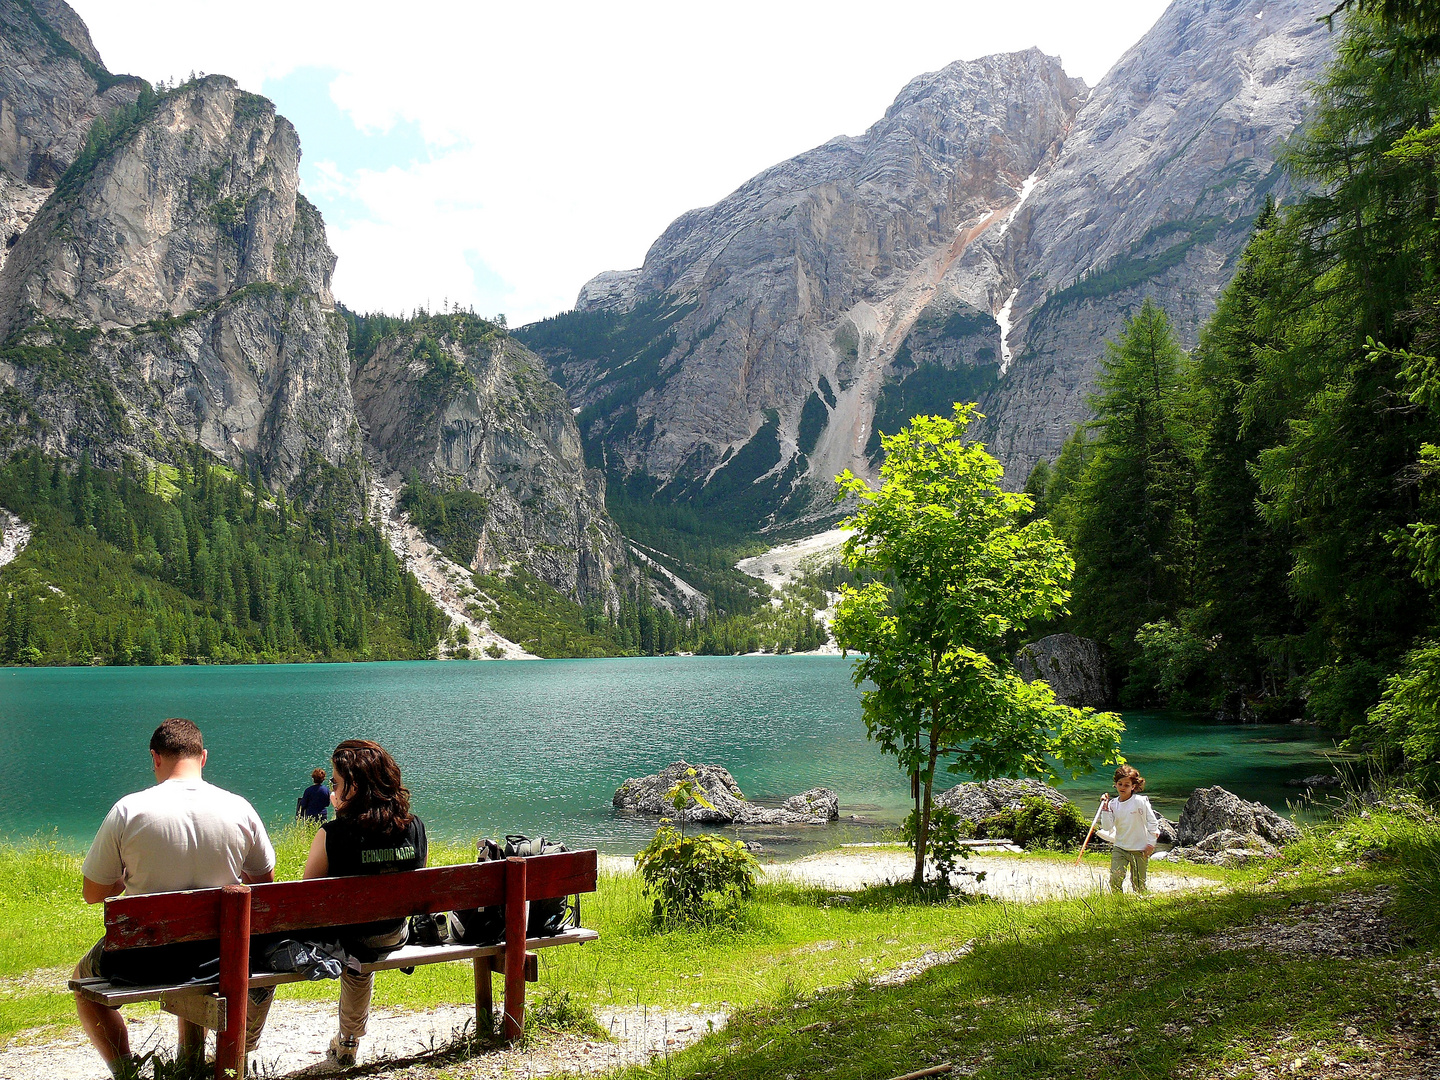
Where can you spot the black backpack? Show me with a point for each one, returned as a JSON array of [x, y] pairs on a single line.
[[486, 926]]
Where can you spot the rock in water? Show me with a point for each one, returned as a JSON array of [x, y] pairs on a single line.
[[1213, 811], [1074, 667], [816, 803], [1318, 780], [646, 795]]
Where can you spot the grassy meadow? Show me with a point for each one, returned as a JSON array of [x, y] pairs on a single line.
[[1322, 963]]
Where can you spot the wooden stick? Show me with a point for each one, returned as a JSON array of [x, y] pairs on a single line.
[[1091, 833], [934, 1070]]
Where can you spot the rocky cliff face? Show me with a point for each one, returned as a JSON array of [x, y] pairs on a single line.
[[166, 285], [795, 292], [461, 403], [980, 242], [175, 287], [1153, 194], [52, 87]]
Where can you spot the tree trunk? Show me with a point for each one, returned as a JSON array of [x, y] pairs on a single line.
[[922, 832], [917, 878]]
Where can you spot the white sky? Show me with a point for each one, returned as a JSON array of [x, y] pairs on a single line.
[[499, 155]]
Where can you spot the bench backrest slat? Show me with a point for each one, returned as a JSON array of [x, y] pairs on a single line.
[[166, 918]]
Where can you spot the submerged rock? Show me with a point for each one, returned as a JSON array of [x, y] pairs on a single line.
[[646, 795], [1220, 827], [1074, 667], [1318, 780]]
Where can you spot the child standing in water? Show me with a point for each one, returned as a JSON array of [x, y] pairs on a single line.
[[1134, 826]]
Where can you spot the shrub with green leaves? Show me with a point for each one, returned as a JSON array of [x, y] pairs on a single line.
[[947, 831], [696, 880], [1036, 823]]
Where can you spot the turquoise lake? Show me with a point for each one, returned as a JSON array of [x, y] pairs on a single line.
[[534, 746]]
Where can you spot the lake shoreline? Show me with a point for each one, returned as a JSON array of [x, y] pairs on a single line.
[[540, 748]]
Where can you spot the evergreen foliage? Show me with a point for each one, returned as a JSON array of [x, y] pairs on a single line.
[[453, 519], [1133, 532], [1256, 527], [197, 565]]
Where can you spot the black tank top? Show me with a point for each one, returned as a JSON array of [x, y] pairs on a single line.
[[352, 852]]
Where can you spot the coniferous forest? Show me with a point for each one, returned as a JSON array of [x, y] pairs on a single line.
[[1256, 525], [166, 565]]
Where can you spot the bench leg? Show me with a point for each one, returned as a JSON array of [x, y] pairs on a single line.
[[190, 1045], [234, 981], [515, 913], [484, 997]]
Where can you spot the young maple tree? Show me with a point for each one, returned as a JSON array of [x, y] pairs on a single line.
[[952, 574]]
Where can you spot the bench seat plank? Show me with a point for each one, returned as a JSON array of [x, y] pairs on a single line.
[[101, 990]]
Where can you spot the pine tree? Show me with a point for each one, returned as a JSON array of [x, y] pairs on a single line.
[[1133, 532]]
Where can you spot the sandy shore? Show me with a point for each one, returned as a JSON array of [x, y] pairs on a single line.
[[1014, 878]]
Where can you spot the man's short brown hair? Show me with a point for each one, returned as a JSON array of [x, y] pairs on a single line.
[[177, 738]]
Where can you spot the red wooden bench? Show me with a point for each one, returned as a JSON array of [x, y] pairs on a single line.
[[235, 912]]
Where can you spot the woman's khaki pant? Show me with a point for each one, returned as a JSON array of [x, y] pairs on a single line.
[[356, 990], [1135, 860]]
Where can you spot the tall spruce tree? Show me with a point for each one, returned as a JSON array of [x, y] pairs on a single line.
[[1242, 601], [1133, 526]]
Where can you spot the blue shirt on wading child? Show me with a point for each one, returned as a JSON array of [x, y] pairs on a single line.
[[314, 804], [1133, 829]]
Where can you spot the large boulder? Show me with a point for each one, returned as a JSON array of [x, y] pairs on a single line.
[[975, 801], [1074, 667], [646, 795], [818, 802], [1213, 810]]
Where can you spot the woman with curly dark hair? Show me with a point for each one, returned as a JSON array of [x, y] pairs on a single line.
[[374, 832]]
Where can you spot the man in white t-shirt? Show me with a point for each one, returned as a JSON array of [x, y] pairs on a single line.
[[180, 834]]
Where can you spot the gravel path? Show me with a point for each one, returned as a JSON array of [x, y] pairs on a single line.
[[298, 1032], [1005, 878]]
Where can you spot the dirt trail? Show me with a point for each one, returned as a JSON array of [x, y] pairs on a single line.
[[448, 583], [297, 1033], [1013, 879]]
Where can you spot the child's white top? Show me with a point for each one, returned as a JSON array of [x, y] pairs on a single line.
[[1132, 823]]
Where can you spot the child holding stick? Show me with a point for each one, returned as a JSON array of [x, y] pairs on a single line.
[[1134, 826]]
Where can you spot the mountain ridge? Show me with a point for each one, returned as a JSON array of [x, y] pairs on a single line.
[[1145, 186], [167, 285]]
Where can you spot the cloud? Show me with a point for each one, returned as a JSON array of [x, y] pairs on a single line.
[[501, 155]]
